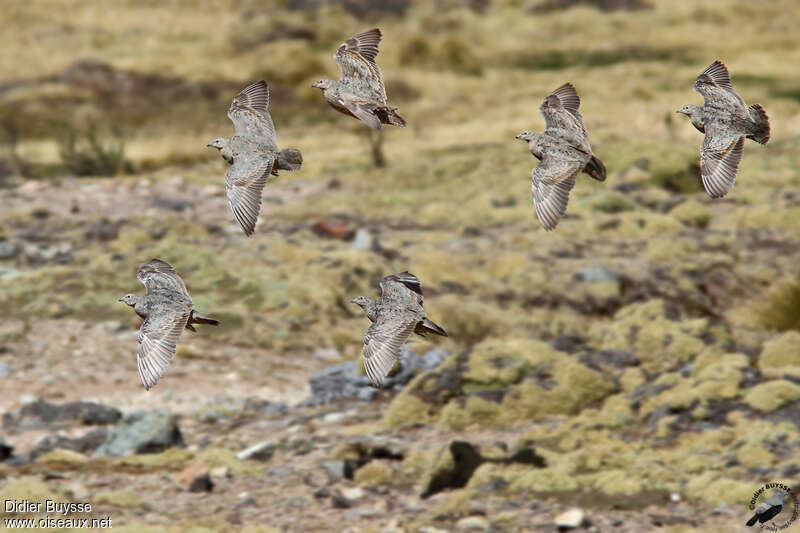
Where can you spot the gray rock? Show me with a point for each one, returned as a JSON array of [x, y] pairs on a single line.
[[354, 515], [5, 370], [343, 380], [280, 471], [8, 273], [8, 250], [473, 523], [596, 274], [38, 414], [85, 444], [142, 432], [326, 354], [260, 452], [334, 469]]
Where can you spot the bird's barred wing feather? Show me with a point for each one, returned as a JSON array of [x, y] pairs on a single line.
[[714, 84], [158, 339], [158, 274], [405, 279], [356, 59], [244, 182], [250, 116], [560, 112], [720, 155], [552, 180], [382, 344]]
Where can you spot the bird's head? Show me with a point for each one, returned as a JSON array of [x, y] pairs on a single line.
[[526, 135], [322, 84], [687, 110], [361, 301], [129, 299], [218, 143]]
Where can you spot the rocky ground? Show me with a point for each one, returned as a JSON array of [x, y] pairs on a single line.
[[636, 370]]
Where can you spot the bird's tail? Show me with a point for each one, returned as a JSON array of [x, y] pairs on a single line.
[[428, 326], [388, 115], [200, 319], [761, 124], [753, 520], [596, 169], [289, 159]]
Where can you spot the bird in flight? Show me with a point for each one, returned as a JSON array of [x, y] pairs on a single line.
[[253, 154], [563, 151], [394, 316], [726, 121], [360, 91], [166, 308]]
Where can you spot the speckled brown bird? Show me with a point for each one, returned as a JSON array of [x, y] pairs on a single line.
[[726, 121], [360, 91], [564, 152], [166, 308], [394, 317], [253, 153]]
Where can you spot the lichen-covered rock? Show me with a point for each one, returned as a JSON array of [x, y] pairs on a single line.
[[475, 412], [406, 409], [781, 355], [563, 388], [27, 488], [496, 364], [692, 213], [373, 474], [647, 328], [772, 395]]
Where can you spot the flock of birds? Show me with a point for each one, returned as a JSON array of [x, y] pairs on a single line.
[[562, 148]]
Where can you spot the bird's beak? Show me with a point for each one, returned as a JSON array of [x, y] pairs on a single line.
[[518, 136], [353, 301], [209, 145], [121, 299]]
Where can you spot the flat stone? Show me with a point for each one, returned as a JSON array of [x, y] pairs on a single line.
[[353, 493], [334, 469], [473, 523], [570, 519], [596, 274], [260, 452]]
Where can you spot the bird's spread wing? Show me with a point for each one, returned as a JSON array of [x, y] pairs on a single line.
[[244, 182], [552, 180], [158, 274], [356, 58], [382, 345], [714, 84], [250, 116], [397, 285], [560, 111], [720, 155], [158, 339]]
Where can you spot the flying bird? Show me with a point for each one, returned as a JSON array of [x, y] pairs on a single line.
[[253, 153], [166, 308], [769, 508], [394, 317], [360, 91], [726, 121], [564, 152]]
